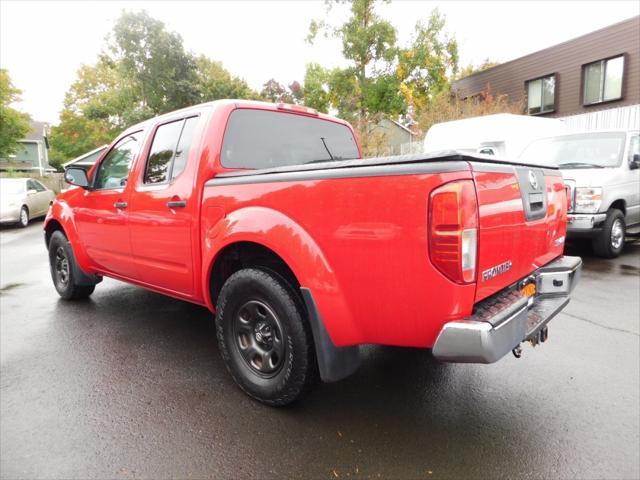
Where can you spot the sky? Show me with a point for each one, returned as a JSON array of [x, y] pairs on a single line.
[[43, 44]]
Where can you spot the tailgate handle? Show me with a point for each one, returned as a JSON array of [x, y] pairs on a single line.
[[536, 201]]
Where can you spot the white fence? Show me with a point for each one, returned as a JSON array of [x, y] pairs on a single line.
[[621, 117]]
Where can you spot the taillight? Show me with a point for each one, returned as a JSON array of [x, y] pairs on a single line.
[[453, 230], [567, 190]]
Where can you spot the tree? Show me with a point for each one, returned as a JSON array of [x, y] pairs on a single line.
[[14, 125], [470, 69], [144, 71], [427, 64], [215, 82], [316, 87], [369, 43], [447, 106], [273, 91], [153, 63], [382, 78]]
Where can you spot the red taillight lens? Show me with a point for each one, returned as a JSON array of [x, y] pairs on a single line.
[[453, 230], [567, 190]]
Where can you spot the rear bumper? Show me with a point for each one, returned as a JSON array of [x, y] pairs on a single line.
[[500, 323]]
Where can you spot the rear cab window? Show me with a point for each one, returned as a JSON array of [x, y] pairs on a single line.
[[169, 150], [258, 139]]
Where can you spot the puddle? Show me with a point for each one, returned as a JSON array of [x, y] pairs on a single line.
[[10, 286]]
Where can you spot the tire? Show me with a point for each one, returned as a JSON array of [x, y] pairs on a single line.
[[23, 221], [264, 337], [610, 241], [61, 264]]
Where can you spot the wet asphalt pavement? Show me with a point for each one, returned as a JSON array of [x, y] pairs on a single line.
[[130, 385]]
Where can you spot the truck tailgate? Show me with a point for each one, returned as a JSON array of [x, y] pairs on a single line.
[[522, 222]]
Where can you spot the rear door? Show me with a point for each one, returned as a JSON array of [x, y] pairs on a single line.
[[163, 208], [522, 213]]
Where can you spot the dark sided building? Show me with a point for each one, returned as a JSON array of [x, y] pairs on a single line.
[[592, 81]]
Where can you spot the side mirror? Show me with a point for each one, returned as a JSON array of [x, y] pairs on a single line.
[[31, 192], [635, 161], [76, 176]]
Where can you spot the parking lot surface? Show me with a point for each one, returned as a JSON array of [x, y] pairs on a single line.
[[129, 384]]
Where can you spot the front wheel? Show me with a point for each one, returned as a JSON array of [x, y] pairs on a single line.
[[264, 337], [610, 242], [61, 262]]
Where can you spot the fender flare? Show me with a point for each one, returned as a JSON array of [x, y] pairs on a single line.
[[290, 241], [61, 212]]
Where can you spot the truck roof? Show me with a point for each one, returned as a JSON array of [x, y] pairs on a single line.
[[239, 103]]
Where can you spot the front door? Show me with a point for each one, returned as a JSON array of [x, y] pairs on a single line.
[[102, 219], [162, 209]]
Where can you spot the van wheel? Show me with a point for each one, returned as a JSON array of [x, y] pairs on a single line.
[[264, 337], [610, 242], [61, 264], [23, 221]]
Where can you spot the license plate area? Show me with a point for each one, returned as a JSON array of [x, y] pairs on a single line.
[[529, 290]]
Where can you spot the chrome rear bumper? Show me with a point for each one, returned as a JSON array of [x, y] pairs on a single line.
[[500, 323]]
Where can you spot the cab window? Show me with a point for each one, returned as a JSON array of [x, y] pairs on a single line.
[[169, 151], [634, 147], [114, 168]]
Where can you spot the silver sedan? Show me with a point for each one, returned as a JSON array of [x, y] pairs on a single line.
[[22, 199]]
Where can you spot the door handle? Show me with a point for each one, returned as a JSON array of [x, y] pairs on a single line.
[[176, 204], [121, 205]]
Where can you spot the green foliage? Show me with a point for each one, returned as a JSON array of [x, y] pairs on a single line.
[[215, 82], [426, 65], [316, 87], [446, 106], [153, 63], [471, 69], [382, 78], [14, 125], [143, 72], [273, 91]]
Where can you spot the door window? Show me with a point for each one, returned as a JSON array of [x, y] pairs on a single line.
[[114, 169], [169, 151], [38, 186], [31, 185], [182, 153], [634, 147]]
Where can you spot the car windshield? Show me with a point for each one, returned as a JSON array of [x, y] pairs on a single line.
[[585, 150], [11, 186]]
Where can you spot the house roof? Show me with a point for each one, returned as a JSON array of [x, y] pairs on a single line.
[[403, 127], [38, 130], [86, 158]]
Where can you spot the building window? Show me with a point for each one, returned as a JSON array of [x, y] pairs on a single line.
[[541, 95], [602, 80]]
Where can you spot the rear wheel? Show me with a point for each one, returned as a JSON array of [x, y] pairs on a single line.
[[23, 221], [62, 269], [264, 338], [610, 242]]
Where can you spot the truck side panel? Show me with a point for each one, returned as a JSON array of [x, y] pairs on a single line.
[[361, 238]]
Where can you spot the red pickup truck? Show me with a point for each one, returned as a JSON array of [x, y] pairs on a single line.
[[268, 216]]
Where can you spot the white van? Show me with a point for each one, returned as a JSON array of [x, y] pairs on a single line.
[[504, 135]]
